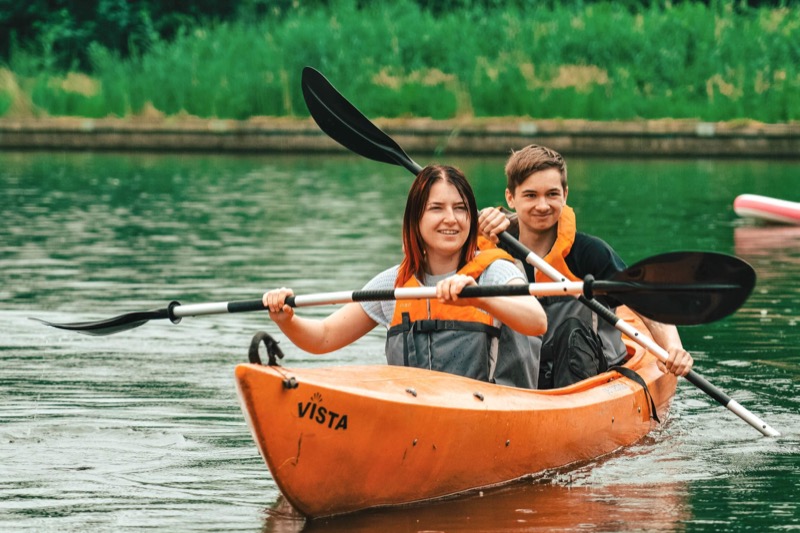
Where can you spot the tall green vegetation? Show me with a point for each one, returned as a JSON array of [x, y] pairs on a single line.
[[600, 61]]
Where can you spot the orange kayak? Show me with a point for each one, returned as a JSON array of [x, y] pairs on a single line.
[[347, 438]]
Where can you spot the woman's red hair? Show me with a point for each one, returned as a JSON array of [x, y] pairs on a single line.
[[413, 263]]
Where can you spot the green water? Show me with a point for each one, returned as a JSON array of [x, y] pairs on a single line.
[[142, 430]]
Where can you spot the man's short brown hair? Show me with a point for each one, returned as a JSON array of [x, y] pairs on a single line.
[[533, 158]]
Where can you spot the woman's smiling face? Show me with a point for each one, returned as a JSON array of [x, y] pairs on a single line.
[[444, 225]]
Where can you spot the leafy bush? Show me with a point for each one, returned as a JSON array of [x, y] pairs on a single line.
[[442, 59]]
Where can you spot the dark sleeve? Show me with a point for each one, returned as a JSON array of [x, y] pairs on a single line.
[[592, 255]]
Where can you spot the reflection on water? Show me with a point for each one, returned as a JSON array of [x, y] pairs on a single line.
[[142, 429], [779, 243], [774, 308], [537, 506]]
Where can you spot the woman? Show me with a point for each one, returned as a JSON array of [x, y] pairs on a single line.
[[471, 337]]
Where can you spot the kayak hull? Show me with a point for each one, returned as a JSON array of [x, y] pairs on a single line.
[[343, 439], [766, 208]]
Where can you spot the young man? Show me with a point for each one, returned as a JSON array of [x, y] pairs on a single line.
[[578, 344]]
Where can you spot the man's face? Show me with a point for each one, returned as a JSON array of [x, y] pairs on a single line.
[[539, 200]]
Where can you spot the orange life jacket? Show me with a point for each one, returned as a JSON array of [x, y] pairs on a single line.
[[557, 256], [435, 310], [462, 340]]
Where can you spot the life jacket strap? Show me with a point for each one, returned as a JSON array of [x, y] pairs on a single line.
[[405, 326], [632, 375], [430, 326]]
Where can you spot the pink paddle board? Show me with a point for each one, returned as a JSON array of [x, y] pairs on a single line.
[[766, 208]]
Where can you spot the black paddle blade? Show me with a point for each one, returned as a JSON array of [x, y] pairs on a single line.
[[685, 288], [345, 124], [113, 325]]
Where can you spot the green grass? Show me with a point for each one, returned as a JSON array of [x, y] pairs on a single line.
[[598, 62], [6, 100]]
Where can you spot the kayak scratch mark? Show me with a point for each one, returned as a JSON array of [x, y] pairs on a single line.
[[297, 455], [296, 459]]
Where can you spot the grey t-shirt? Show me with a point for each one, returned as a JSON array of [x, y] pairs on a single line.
[[497, 273]]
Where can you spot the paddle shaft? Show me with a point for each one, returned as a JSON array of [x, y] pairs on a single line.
[[569, 288], [645, 341], [626, 291]]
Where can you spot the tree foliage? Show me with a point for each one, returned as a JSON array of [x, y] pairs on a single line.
[[63, 31]]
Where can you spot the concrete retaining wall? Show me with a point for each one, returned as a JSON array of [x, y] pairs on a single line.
[[418, 137]]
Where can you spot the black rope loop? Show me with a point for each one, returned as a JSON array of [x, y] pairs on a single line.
[[271, 345]]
